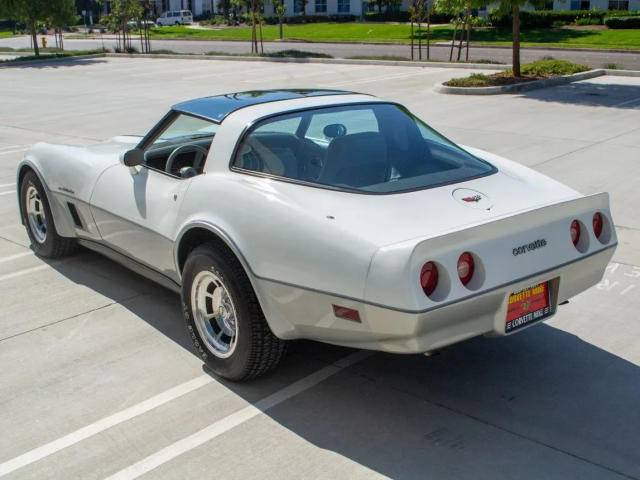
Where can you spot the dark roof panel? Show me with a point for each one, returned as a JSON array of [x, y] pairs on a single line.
[[216, 108]]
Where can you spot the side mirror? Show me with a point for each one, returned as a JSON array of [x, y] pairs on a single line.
[[133, 157]]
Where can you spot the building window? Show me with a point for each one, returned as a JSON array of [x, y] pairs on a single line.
[[618, 4], [344, 6], [321, 6], [580, 4], [298, 6]]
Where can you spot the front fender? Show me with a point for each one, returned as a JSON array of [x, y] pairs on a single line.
[[61, 219]]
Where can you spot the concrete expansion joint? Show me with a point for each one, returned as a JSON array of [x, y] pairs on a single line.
[[71, 317]]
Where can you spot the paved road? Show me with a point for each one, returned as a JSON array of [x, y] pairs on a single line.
[[595, 59], [96, 367]]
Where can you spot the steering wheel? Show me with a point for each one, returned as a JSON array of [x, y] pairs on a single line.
[[181, 149]]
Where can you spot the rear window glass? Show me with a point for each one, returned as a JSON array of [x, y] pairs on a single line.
[[371, 148]]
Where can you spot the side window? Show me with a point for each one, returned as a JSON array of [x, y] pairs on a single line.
[[182, 148], [353, 120]]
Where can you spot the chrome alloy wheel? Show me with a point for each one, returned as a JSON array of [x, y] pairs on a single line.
[[35, 214], [214, 314]]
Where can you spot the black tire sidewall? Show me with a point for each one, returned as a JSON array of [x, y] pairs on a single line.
[[235, 366], [45, 248]]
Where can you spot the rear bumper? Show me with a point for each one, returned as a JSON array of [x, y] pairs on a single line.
[[294, 312]]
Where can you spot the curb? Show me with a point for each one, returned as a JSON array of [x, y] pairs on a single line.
[[336, 61], [623, 73], [522, 87], [407, 44]]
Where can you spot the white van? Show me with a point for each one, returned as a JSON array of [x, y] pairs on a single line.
[[175, 17]]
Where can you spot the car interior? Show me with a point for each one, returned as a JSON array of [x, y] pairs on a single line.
[[180, 158], [388, 147], [181, 148]]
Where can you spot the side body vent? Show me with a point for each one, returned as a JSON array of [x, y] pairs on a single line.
[[74, 214]]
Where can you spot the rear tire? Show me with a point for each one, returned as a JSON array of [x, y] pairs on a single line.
[[38, 220], [224, 319]]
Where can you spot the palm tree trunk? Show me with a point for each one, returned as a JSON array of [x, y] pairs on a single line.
[[34, 37], [516, 41]]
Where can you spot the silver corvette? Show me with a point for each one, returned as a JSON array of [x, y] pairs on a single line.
[[323, 215]]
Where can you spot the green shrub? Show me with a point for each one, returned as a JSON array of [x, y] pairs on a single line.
[[548, 68], [273, 19], [550, 18], [622, 22], [436, 17], [473, 80], [587, 21]]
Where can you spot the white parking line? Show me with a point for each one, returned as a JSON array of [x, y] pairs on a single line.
[[25, 271], [241, 416], [8, 192], [101, 425], [12, 151], [4, 185], [628, 102], [10, 147], [17, 255]]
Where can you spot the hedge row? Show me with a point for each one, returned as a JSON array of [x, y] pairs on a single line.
[[622, 22], [273, 19], [436, 17], [549, 18]]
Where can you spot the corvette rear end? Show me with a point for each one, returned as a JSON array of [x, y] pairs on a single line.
[[494, 278]]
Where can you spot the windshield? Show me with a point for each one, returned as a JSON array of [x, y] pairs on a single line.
[[371, 148]]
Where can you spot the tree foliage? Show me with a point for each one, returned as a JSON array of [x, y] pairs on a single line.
[[32, 12]]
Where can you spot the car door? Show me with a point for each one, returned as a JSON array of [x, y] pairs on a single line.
[[136, 209]]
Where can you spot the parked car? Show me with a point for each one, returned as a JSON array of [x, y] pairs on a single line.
[[175, 17], [134, 23], [321, 215]]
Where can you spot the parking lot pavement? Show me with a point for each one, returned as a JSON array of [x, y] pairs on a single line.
[[97, 374]]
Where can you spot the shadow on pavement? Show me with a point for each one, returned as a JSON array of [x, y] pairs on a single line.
[[613, 95], [53, 63], [539, 404]]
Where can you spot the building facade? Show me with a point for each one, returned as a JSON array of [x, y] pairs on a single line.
[[317, 7], [358, 7], [633, 5]]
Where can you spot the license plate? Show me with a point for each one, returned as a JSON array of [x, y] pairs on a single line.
[[527, 306]]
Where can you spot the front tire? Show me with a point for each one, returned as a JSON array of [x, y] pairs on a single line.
[[224, 318], [38, 220]]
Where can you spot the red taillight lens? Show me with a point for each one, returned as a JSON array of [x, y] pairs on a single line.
[[465, 267], [575, 232], [597, 224], [429, 278]]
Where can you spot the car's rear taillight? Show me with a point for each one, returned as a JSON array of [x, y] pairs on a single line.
[[575, 232], [597, 224], [465, 267], [429, 278]]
